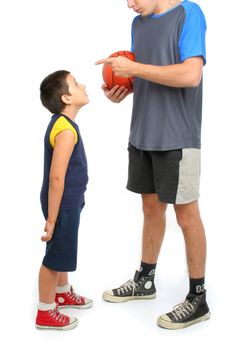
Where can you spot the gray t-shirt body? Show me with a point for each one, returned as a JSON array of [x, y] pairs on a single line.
[[166, 118]]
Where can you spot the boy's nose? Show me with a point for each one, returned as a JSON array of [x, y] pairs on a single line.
[[131, 3]]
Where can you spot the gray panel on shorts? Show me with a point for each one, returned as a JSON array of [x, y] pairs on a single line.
[[189, 176]]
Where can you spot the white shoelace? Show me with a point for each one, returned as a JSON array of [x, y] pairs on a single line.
[[74, 296], [182, 310], [57, 315], [127, 287]]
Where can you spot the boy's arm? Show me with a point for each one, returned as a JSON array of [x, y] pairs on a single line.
[[63, 148]]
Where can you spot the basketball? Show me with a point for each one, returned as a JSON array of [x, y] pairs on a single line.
[[111, 79]]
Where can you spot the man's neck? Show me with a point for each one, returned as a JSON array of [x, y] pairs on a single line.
[[166, 5]]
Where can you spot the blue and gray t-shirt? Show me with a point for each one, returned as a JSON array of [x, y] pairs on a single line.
[[163, 117]]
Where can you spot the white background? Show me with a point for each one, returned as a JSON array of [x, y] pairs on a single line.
[[37, 38]]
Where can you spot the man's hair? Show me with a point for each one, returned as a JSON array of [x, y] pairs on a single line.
[[51, 90]]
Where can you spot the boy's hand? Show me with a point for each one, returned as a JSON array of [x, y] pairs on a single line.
[[49, 229], [116, 94]]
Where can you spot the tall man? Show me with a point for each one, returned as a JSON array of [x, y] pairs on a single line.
[[168, 40]]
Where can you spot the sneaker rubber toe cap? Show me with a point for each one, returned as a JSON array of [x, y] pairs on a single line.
[[73, 320], [109, 292], [163, 321]]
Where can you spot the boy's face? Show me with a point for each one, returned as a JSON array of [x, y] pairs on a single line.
[[78, 95], [143, 7]]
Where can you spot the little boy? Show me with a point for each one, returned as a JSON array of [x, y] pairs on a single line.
[[62, 199]]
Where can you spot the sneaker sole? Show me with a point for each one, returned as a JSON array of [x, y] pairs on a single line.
[[115, 299], [169, 325], [64, 328], [86, 306]]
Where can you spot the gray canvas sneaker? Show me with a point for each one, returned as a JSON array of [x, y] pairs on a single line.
[[193, 310], [138, 288]]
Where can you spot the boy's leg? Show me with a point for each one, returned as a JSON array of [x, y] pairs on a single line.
[[47, 285], [66, 297], [48, 316], [62, 279]]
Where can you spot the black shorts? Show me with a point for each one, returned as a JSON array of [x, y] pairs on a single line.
[[61, 250], [174, 175]]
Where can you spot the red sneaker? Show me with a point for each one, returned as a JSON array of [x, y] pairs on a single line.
[[71, 299], [53, 319]]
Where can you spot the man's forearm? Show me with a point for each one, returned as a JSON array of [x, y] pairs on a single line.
[[176, 75]]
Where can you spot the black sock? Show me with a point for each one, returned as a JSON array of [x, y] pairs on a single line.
[[147, 269], [196, 285]]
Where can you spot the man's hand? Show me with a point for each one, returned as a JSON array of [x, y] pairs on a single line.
[[121, 66], [116, 94], [49, 229]]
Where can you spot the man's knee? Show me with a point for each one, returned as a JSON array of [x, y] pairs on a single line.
[[187, 215], [151, 205]]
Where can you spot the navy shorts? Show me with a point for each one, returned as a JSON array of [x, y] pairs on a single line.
[[61, 250]]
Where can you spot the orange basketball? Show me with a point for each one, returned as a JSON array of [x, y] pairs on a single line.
[[111, 79]]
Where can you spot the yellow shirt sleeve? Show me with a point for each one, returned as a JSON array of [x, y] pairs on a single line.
[[61, 124]]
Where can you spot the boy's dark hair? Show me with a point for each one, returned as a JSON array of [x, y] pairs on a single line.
[[51, 90]]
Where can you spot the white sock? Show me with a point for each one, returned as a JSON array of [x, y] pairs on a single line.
[[46, 307], [63, 289]]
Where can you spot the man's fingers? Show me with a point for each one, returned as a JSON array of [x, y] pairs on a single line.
[[110, 93], [101, 61], [106, 61], [114, 89], [122, 90], [104, 87], [124, 94]]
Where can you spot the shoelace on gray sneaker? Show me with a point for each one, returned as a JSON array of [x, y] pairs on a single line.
[[182, 310], [127, 287]]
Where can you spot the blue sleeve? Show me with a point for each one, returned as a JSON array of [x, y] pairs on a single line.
[[132, 33], [132, 44], [192, 38]]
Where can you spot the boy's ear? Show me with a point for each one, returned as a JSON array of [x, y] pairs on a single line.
[[66, 99]]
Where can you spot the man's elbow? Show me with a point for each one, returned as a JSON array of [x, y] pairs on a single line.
[[194, 70], [194, 81]]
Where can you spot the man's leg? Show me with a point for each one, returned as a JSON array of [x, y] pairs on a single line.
[[194, 309], [142, 286], [153, 227], [189, 220], [153, 233]]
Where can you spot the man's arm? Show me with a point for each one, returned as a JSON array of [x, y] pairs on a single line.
[[186, 74]]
